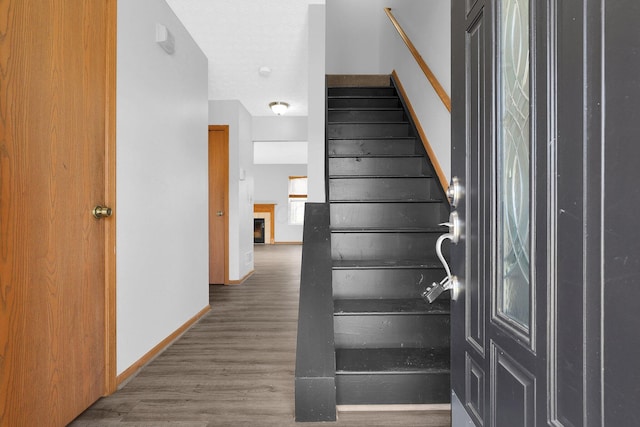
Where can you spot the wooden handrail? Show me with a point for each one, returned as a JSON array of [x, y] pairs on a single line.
[[425, 142], [423, 65]]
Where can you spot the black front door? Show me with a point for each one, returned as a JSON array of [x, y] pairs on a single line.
[[545, 145]]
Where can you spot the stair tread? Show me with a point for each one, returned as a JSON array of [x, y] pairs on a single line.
[[361, 87], [386, 201], [361, 96], [365, 123], [435, 229], [359, 307], [392, 360], [412, 176], [372, 138], [384, 263], [375, 156], [365, 108]]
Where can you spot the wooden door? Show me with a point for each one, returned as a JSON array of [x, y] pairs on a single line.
[[560, 348], [57, 80], [218, 204]]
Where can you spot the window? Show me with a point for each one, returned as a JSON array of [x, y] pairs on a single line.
[[297, 199]]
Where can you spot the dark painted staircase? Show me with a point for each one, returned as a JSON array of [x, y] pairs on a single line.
[[385, 204], [365, 335]]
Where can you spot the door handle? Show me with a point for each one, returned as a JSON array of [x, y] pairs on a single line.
[[101, 212], [450, 281], [220, 213], [455, 228]]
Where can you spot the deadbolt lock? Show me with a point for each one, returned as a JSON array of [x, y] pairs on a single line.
[[455, 191]]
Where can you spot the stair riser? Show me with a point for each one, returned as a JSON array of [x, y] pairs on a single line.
[[384, 246], [390, 283], [391, 331], [356, 189], [391, 102], [361, 91], [387, 215], [388, 389], [407, 166], [374, 146], [364, 130], [365, 116]]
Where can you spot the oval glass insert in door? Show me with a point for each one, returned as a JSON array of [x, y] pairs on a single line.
[[514, 111]]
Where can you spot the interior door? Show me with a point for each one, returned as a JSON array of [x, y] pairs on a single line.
[[218, 204], [57, 76], [499, 158]]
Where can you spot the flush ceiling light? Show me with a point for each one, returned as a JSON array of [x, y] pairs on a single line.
[[279, 107]]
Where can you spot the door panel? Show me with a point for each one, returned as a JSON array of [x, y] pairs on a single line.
[[513, 390], [218, 204], [497, 371], [621, 204], [470, 153], [567, 297], [474, 307], [56, 132]]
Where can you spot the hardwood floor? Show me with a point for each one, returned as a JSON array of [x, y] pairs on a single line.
[[235, 367]]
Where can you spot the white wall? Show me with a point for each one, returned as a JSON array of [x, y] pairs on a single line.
[[316, 119], [161, 212], [241, 182], [359, 33], [279, 128], [353, 34], [428, 25], [272, 186]]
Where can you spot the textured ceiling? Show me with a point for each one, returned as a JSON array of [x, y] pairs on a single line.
[[240, 36]]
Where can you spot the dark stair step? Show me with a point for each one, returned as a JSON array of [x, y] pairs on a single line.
[[385, 244], [405, 306], [390, 324], [384, 283], [376, 188], [380, 166], [366, 115], [375, 156], [387, 214], [392, 360], [356, 146], [363, 102], [364, 130], [378, 264], [361, 91], [392, 376]]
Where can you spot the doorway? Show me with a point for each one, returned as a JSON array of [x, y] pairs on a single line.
[[266, 211]]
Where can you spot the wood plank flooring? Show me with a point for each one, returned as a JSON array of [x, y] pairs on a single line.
[[235, 367]]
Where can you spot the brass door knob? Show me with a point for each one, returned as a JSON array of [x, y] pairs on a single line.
[[101, 212], [219, 213]]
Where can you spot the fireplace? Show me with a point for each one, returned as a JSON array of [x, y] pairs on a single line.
[[258, 230]]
